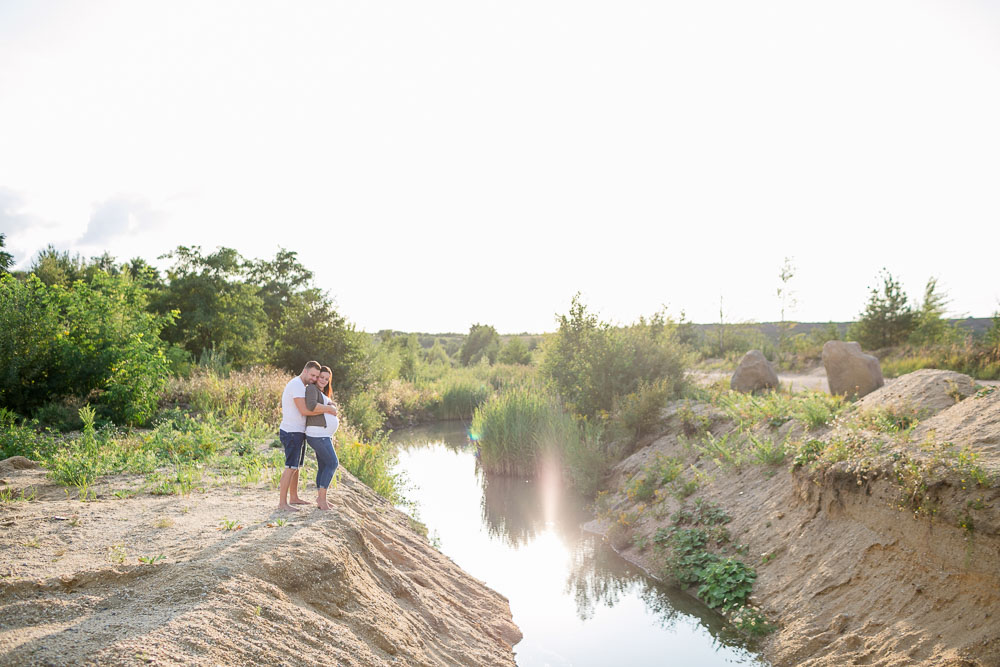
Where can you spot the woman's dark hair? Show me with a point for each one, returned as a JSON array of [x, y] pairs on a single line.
[[327, 390]]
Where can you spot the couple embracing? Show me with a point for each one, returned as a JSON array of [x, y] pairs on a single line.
[[308, 415]]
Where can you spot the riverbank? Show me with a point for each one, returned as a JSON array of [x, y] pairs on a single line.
[[221, 577], [885, 552]]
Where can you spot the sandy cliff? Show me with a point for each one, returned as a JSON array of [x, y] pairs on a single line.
[[355, 586]]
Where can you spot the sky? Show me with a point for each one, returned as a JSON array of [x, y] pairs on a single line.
[[443, 163]]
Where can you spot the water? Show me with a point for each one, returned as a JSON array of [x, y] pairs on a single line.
[[576, 601]]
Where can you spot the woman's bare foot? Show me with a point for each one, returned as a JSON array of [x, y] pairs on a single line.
[[324, 506], [287, 508]]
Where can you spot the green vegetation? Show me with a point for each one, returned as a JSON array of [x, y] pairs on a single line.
[[94, 341], [599, 388], [483, 342], [591, 364], [690, 548]]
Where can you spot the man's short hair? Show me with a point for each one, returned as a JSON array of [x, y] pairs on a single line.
[[312, 364]]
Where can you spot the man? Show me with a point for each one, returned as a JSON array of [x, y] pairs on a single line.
[[292, 433]]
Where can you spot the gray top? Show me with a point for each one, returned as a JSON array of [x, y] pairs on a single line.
[[314, 397]]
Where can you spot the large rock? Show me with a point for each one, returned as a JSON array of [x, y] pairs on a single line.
[[754, 374], [849, 371], [927, 392]]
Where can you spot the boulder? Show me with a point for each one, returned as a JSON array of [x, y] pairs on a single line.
[[754, 373], [926, 392], [849, 371]]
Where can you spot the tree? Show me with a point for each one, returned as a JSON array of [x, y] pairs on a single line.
[[57, 268], [71, 341], [437, 355], [515, 352], [6, 259], [312, 329], [592, 363], [931, 327], [218, 310], [887, 319], [786, 299], [993, 334], [482, 342], [277, 281]]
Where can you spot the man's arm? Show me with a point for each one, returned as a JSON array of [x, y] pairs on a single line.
[[300, 403]]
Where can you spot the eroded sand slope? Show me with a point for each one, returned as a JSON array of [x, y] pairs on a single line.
[[356, 586]]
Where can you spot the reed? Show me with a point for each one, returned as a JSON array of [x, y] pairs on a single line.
[[522, 430]]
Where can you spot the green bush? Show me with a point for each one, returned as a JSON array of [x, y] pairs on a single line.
[[726, 583], [483, 342], [638, 413], [515, 352], [687, 555], [70, 341], [21, 437], [592, 364]]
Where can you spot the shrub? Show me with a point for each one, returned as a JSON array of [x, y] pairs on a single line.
[[483, 342], [887, 319], [361, 410], [370, 461], [515, 352], [20, 437], [591, 363], [726, 583], [638, 413], [687, 554], [91, 337]]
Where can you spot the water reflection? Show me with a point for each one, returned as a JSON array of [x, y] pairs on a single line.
[[570, 593]]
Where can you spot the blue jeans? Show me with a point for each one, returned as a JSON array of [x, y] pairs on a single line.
[[295, 448], [327, 459]]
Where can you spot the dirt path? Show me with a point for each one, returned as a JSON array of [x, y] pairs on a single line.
[[234, 582]]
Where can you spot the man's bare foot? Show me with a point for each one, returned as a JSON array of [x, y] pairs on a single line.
[[299, 501], [287, 508]]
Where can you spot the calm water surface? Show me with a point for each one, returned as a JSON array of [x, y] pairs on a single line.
[[575, 600]]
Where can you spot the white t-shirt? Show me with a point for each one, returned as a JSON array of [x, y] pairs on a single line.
[[293, 421], [332, 423]]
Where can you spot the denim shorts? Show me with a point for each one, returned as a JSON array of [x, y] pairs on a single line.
[[295, 448]]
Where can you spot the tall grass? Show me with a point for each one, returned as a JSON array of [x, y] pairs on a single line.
[[371, 462], [250, 398], [981, 361], [522, 431], [507, 429], [460, 397]]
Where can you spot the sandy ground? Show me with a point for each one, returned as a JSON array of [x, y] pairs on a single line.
[[238, 582], [851, 573]]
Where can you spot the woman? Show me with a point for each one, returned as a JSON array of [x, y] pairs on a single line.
[[319, 434]]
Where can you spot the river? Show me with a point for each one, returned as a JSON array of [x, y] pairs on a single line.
[[576, 601]]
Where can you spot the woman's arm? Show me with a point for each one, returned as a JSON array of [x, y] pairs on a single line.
[[310, 405]]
